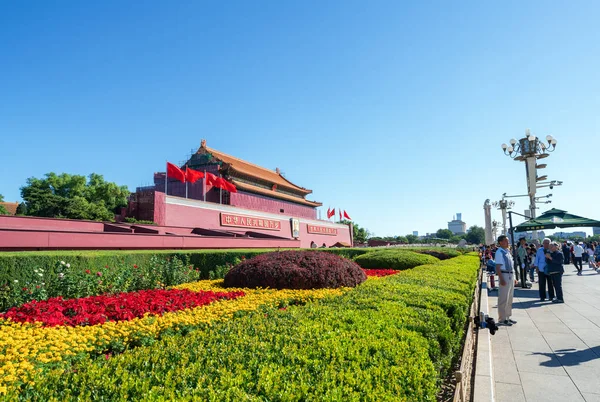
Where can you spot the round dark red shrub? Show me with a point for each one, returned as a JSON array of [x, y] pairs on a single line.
[[295, 270]]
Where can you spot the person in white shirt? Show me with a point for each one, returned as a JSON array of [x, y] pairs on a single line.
[[590, 252], [578, 252], [505, 271]]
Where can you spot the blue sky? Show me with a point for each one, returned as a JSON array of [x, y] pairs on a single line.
[[394, 111]]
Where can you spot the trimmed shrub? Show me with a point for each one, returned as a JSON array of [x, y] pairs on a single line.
[[394, 259], [440, 255], [372, 343], [295, 270]]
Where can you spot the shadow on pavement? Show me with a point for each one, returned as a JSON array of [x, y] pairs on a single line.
[[568, 357]]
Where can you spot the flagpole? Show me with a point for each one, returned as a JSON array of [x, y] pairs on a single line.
[[220, 192], [186, 183], [204, 187], [166, 176]]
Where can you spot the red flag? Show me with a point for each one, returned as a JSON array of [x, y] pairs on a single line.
[[220, 183], [346, 216], [230, 187], [211, 179], [192, 175], [340, 213], [328, 212], [332, 213], [175, 172]]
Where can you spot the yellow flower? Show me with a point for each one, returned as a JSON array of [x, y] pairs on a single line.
[[30, 345]]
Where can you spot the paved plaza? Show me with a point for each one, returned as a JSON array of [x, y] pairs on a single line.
[[552, 353]]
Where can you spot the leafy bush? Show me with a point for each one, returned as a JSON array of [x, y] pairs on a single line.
[[221, 270], [375, 342], [440, 255], [393, 259], [295, 270]]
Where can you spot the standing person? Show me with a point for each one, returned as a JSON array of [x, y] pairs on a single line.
[[505, 271], [543, 278], [531, 261], [566, 252], [591, 256], [522, 256], [597, 256], [555, 269], [578, 253]]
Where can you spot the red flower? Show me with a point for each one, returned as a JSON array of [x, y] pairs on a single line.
[[99, 273], [87, 271], [135, 266], [106, 266], [380, 272], [24, 289], [124, 306], [37, 286]]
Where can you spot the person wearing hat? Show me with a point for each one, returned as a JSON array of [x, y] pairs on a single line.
[[578, 262]]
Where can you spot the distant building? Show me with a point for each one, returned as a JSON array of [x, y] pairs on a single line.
[[568, 235], [529, 235], [11, 207], [596, 231], [457, 226], [416, 233]]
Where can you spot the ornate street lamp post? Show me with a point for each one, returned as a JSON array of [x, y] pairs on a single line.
[[503, 205], [529, 149]]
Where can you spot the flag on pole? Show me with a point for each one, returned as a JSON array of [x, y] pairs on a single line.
[[175, 172], [340, 210], [192, 175], [229, 186], [328, 212], [211, 179], [346, 216], [331, 213]]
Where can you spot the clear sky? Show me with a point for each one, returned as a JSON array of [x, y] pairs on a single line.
[[393, 111]]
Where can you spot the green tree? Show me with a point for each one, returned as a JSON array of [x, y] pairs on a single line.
[[444, 233], [475, 235], [73, 196], [22, 209], [412, 239], [402, 239], [3, 210], [455, 239], [360, 235]]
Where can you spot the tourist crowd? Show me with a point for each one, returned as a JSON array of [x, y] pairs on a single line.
[[543, 264]]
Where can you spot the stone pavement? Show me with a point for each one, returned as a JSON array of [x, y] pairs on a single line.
[[552, 353]]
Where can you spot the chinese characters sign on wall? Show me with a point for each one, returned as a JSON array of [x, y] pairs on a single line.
[[249, 222], [324, 230]]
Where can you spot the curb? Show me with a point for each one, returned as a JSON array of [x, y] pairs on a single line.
[[484, 373]]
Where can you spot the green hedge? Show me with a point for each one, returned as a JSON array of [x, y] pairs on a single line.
[[393, 259], [389, 339], [20, 265]]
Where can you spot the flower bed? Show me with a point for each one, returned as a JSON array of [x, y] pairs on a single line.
[[379, 272], [393, 338], [30, 348], [124, 306]]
